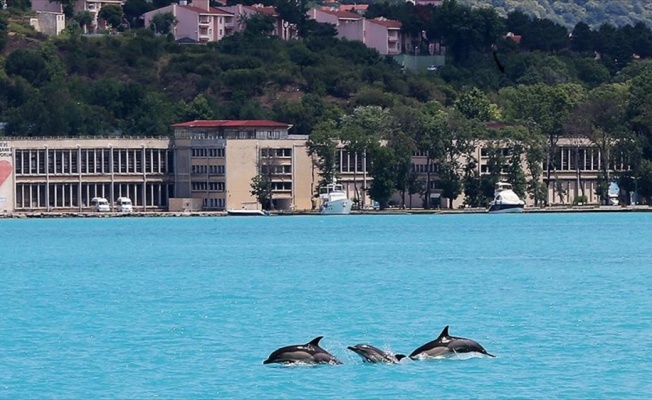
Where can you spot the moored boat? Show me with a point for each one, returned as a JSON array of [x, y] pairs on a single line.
[[505, 200], [334, 200]]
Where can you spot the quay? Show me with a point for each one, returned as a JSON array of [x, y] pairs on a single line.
[[391, 211]]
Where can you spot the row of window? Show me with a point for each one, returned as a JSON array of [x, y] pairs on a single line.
[[91, 161], [275, 169], [207, 186], [74, 194], [208, 169], [270, 153], [214, 203], [423, 168], [210, 153], [572, 159]]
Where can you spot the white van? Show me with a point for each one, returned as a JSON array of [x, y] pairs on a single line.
[[100, 204], [124, 205]]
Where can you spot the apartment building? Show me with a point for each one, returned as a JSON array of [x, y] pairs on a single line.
[[92, 6], [197, 21], [47, 174], [283, 29]]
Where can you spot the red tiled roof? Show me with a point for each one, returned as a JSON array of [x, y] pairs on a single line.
[[268, 10], [353, 7], [224, 123], [211, 10], [341, 14], [389, 23]]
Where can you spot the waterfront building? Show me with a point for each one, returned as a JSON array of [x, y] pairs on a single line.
[[64, 174], [217, 160], [210, 166]]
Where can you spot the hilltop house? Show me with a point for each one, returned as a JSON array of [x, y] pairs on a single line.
[[381, 34], [92, 6], [197, 21]]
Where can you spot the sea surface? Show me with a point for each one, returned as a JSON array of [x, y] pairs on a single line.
[[188, 308]]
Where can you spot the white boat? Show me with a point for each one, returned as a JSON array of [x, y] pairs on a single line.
[[334, 200], [244, 211], [505, 200]]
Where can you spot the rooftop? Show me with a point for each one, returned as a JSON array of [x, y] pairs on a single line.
[[221, 123]]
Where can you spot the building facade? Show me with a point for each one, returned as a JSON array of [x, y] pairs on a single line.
[[65, 174], [216, 162], [210, 165], [197, 21]]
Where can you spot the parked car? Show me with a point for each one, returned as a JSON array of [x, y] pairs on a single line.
[[432, 68], [100, 204], [123, 204]]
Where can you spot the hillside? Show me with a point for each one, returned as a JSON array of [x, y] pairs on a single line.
[[570, 12]]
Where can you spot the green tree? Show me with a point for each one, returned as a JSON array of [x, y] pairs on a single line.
[[112, 14], [383, 170], [431, 141], [261, 188], [361, 130], [163, 23], [600, 119], [322, 148], [458, 144], [474, 104], [544, 109], [259, 25], [84, 19], [4, 23], [515, 173], [197, 109]]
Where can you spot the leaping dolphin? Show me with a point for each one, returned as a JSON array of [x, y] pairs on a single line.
[[309, 353], [446, 344], [371, 354]]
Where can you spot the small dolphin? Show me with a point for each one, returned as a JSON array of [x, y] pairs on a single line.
[[446, 345], [309, 353], [371, 354]]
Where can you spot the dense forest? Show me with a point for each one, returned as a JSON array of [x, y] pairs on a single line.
[[569, 12], [590, 83]]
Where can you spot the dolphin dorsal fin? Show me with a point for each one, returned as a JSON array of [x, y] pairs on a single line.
[[443, 333], [315, 341]]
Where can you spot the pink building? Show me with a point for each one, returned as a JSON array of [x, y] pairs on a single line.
[[381, 34], [282, 28], [349, 25], [92, 6], [198, 21]]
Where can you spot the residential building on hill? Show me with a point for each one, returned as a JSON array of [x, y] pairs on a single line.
[[380, 33], [197, 21], [92, 6], [283, 29]]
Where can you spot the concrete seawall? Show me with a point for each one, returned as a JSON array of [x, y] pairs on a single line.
[[393, 211]]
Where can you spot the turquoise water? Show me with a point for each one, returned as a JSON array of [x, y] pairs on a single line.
[[190, 307]]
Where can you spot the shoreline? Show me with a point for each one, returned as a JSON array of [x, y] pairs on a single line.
[[392, 211]]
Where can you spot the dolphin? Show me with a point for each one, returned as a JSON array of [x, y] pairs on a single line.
[[309, 353], [446, 345], [371, 354]]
